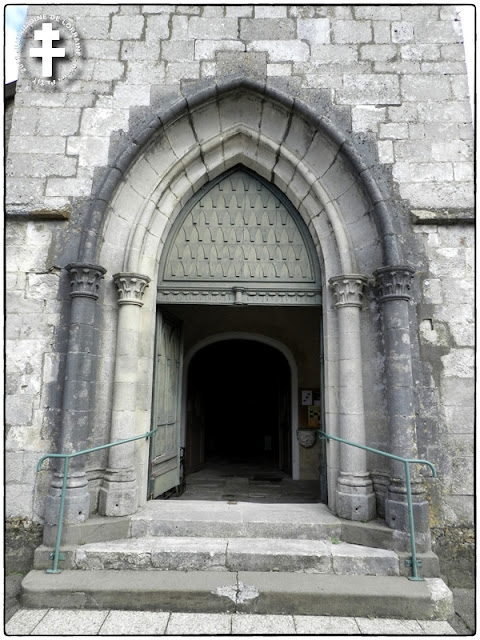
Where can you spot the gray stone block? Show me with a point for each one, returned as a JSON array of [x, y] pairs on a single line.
[[351, 31], [283, 555], [281, 50], [348, 559], [267, 29], [369, 89], [421, 87], [213, 28], [179, 554], [127, 27]]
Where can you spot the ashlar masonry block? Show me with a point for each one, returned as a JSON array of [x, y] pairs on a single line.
[[206, 49], [314, 31], [402, 32], [213, 28], [369, 89], [158, 27], [281, 50], [439, 32], [101, 122], [423, 87], [368, 117], [178, 51], [267, 29], [334, 53], [127, 27], [351, 31]]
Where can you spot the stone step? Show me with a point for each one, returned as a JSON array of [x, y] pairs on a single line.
[[221, 554], [203, 518], [243, 591]]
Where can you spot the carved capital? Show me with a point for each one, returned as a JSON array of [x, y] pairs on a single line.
[[348, 290], [85, 279], [130, 287], [394, 282]]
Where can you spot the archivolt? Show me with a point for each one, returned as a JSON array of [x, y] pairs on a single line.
[[316, 168]]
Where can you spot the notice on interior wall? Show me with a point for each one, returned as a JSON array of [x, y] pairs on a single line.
[[306, 397], [314, 416], [316, 399]]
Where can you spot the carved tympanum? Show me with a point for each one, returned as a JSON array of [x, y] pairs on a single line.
[[239, 230]]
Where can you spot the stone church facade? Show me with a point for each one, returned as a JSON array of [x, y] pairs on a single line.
[[299, 178]]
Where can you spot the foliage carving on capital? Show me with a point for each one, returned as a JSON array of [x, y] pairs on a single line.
[[394, 282], [85, 279], [348, 290], [130, 287]]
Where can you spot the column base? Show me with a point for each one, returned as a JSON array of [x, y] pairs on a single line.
[[396, 511], [77, 502], [117, 498], [355, 499]]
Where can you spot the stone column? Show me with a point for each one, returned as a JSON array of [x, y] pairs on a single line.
[[78, 395], [118, 495], [394, 294], [355, 499]]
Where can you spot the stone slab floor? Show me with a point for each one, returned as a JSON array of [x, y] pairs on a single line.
[[230, 480], [54, 622]]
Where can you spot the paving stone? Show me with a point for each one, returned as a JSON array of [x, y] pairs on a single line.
[[24, 621], [198, 624], [325, 625], [69, 622], [386, 626], [255, 624], [135, 623]]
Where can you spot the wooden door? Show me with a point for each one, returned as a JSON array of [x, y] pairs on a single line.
[[165, 444]]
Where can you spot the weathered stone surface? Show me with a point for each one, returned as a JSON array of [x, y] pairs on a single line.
[[388, 84]]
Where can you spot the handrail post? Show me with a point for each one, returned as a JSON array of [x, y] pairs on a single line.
[[414, 562], [66, 456], [56, 555], [411, 525]]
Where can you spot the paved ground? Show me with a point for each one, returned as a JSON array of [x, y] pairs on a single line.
[[81, 622]]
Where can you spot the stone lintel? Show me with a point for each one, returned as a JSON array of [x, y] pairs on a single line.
[[85, 279], [442, 216], [130, 287], [394, 282], [245, 295], [348, 290], [62, 213]]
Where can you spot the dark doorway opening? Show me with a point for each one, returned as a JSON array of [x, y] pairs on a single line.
[[239, 407]]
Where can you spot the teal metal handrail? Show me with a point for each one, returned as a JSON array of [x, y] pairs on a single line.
[[413, 560], [57, 555]]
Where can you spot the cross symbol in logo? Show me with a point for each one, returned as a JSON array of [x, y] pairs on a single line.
[[47, 52]]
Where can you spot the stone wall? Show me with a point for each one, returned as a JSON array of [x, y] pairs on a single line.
[[392, 78]]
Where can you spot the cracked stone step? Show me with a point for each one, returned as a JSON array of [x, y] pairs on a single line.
[[223, 554], [243, 591]]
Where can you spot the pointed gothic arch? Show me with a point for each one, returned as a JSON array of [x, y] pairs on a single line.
[[314, 173]]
